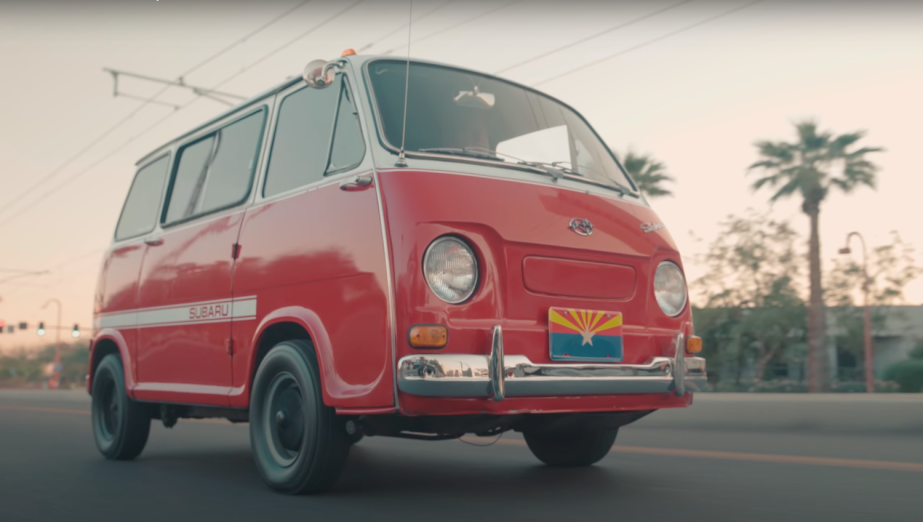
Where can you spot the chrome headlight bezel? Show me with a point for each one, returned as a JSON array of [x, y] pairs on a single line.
[[475, 275], [669, 273]]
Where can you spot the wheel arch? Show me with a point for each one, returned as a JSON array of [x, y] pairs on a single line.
[[293, 323], [106, 342]]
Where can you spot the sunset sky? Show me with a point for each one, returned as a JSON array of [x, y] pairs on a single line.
[[697, 100]]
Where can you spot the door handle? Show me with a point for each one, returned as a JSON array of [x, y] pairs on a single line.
[[153, 241], [356, 182]]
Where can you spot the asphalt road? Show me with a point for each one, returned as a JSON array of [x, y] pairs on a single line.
[[202, 471]]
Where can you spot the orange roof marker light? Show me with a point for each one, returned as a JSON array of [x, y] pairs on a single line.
[[349, 52]]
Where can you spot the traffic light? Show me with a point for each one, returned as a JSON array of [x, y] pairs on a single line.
[[23, 326], [10, 328], [76, 332], [41, 329], [2, 324]]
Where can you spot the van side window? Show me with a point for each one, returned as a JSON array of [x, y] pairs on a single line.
[[216, 171], [348, 146], [139, 216], [302, 139]]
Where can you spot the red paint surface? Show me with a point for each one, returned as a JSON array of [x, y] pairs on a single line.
[[192, 264], [117, 290], [571, 278], [414, 405], [317, 259]]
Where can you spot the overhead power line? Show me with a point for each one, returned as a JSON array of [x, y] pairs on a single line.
[[648, 42], [289, 43], [146, 103], [459, 24], [593, 36], [168, 116], [394, 32]]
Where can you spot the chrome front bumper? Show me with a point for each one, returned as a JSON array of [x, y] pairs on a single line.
[[498, 376]]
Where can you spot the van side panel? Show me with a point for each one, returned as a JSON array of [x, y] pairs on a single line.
[[319, 253], [117, 291]]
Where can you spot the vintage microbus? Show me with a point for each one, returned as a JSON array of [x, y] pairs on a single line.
[[328, 261]]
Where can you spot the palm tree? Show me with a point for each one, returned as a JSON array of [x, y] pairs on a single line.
[[806, 167], [648, 173]]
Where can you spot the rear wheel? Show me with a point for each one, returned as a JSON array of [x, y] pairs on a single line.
[[120, 425], [570, 448], [299, 444]]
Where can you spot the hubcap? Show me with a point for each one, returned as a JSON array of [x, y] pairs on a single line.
[[284, 418]]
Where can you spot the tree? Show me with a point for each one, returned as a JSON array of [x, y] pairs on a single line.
[[648, 173], [750, 290], [806, 167], [891, 267]]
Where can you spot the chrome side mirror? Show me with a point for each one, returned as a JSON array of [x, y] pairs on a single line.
[[320, 73]]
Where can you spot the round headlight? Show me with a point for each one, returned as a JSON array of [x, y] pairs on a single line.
[[670, 288], [451, 269]]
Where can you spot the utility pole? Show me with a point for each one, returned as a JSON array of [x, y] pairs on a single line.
[[56, 377], [866, 283]]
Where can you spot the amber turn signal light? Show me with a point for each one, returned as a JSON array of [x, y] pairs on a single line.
[[348, 52], [694, 344], [429, 336]]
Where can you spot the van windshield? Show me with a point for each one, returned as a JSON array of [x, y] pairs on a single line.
[[464, 114]]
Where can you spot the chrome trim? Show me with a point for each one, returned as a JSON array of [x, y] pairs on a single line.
[[679, 364], [469, 375], [356, 182], [496, 365]]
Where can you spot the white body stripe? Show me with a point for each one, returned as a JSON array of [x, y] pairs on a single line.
[[203, 312]]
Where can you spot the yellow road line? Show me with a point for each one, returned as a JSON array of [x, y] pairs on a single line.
[[758, 457]]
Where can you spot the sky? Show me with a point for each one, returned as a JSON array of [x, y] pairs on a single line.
[[695, 85]]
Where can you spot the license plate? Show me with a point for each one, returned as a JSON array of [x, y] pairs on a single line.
[[585, 335]]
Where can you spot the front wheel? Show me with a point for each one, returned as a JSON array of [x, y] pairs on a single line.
[[120, 425], [570, 448], [298, 443]]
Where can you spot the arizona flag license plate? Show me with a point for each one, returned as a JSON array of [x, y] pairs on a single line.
[[585, 335]]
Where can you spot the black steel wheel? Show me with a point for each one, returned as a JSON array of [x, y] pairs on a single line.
[[120, 425], [299, 444], [570, 448]]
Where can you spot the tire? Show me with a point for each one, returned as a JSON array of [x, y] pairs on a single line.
[[571, 448], [120, 425], [299, 444]]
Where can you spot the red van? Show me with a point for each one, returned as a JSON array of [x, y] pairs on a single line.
[[325, 264]]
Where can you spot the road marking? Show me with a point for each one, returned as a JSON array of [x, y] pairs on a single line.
[[758, 457], [641, 450]]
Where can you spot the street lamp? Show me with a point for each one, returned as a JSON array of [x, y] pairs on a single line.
[[869, 373], [55, 379]]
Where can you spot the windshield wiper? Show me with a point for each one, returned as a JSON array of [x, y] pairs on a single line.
[[483, 153], [622, 189], [473, 152]]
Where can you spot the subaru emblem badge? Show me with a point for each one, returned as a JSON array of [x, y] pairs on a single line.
[[581, 226]]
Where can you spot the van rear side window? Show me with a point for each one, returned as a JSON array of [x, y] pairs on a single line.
[[216, 171], [139, 215]]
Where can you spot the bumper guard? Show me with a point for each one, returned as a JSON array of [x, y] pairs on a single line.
[[497, 376]]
